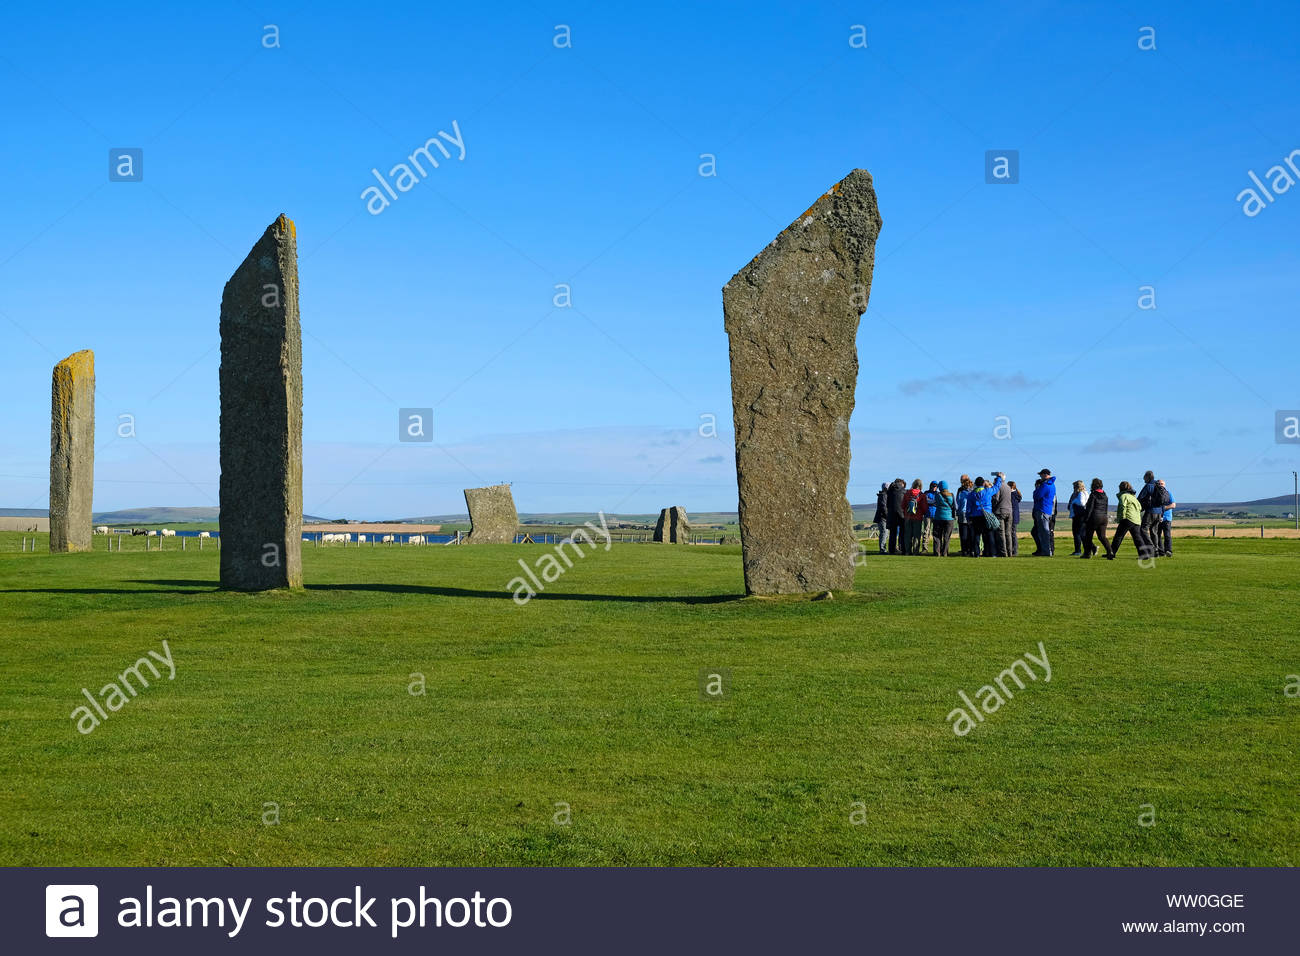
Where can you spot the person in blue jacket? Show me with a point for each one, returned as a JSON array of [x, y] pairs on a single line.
[[973, 522], [963, 535], [1165, 542], [945, 513], [979, 504], [1044, 513]]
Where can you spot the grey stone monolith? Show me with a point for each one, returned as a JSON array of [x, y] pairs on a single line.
[[792, 319], [673, 526], [261, 417], [72, 452], [492, 515]]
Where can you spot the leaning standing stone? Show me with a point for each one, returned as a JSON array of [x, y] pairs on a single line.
[[672, 526], [792, 319], [261, 417], [492, 515], [72, 452]]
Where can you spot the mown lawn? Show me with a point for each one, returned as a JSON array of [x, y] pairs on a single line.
[[1167, 698]]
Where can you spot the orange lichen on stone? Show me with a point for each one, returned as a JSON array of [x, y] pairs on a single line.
[[77, 365], [287, 223]]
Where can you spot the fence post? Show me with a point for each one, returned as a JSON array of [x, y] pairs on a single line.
[[182, 544], [1214, 531], [1261, 531]]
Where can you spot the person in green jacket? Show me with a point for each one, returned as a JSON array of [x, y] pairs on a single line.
[[1129, 521]]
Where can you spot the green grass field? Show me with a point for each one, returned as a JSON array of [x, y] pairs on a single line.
[[1167, 698]]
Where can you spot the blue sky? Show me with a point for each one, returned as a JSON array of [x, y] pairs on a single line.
[[581, 166]]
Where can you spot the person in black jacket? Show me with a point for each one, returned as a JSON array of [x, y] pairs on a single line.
[[1016, 498], [895, 518], [1152, 510], [881, 519], [1095, 520]]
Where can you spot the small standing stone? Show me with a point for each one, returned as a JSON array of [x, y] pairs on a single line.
[[492, 515], [792, 319], [673, 526], [261, 417], [72, 452]]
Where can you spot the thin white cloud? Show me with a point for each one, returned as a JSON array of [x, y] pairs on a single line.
[[1116, 445]]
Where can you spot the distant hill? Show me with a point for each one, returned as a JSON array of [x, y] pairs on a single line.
[[150, 515]]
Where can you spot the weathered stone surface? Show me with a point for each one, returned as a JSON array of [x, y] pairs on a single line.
[[492, 515], [673, 526], [792, 319], [261, 417], [72, 452]]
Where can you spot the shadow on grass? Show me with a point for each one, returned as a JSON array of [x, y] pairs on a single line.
[[185, 586]]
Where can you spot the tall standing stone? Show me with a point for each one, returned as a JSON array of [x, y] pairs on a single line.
[[72, 452], [261, 417], [672, 526], [792, 319], [492, 515]]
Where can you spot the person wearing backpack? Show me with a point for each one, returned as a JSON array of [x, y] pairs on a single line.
[[881, 519], [896, 517], [945, 512], [915, 508], [1095, 519], [928, 524], [983, 521], [1129, 515], [1154, 499], [1078, 504], [1165, 543]]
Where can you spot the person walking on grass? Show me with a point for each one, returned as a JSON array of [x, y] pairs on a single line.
[[945, 511], [1078, 504], [896, 517], [1045, 514], [1153, 498], [1002, 507], [881, 519], [1129, 521], [915, 509], [1016, 498], [1165, 543], [963, 536], [1096, 517]]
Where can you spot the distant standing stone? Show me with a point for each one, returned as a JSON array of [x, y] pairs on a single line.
[[492, 515], [672, 526], [261, 417], [792, 319], [72, 452]]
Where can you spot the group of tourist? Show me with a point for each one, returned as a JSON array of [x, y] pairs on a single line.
[[986, 513]]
